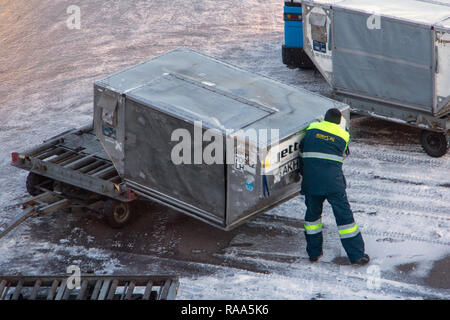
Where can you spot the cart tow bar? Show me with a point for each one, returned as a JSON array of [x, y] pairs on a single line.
[[41, 205]]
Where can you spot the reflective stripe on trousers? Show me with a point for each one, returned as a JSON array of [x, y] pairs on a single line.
[[321, 155], [348, 230], [313, 227]]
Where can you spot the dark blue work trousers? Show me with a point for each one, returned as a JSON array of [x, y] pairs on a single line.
[[351, 241]]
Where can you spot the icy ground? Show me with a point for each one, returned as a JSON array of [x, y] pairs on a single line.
[[399, 195]]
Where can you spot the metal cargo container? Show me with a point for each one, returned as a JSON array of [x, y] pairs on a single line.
[[389, 59], [396, 51], [141, 113]]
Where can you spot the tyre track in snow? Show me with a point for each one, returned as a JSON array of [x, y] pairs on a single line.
[[397, 196], [383, 154], [395, 208], [402, 236], [401, 207], [396, 191], [409, 176]]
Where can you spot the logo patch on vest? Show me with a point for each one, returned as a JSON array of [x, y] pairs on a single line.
[[324, 137]]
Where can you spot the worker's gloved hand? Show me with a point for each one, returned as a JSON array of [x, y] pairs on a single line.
[[297, 177], [300, 168], [347, 151]]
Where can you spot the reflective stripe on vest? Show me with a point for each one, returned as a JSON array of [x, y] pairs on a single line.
[[313, 227], [348, 230], [321, 155]]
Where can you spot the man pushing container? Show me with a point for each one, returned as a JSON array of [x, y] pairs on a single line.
[[323, 149]]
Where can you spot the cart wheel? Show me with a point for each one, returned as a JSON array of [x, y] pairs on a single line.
[[435, 144], [33, 180], [117, 214]]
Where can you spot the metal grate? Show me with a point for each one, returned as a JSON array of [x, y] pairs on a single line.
[[91, 288]]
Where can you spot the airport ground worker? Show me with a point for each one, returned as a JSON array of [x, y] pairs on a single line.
[[323, 149]]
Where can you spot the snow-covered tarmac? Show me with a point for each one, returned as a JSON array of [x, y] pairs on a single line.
[[399, 195]]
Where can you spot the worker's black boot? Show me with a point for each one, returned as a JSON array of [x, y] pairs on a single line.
[[315, 259], [362, 261]]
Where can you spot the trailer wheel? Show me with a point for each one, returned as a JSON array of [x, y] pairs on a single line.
[[117, 214], [435, 144], [33, 180]]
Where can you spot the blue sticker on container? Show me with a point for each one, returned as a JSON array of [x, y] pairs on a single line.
[[108, 131], [250, 183]]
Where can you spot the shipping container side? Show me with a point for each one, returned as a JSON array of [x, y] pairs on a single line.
[[152, 156], [442, 75], [380, 52], [395, 65], [253, 189]]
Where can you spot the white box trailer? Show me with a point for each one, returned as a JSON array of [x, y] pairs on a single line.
[[388, 59]]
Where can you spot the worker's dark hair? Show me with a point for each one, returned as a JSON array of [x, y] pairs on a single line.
[[333, 115]]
